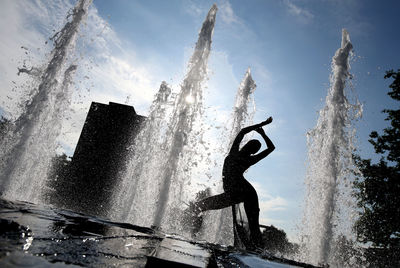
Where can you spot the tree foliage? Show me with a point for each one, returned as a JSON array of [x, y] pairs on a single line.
[[276, 242], [378, 190]]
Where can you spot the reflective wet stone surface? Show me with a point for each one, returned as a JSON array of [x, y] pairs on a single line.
[[40, 236]]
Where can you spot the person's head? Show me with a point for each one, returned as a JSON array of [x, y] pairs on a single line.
[[251, 147]]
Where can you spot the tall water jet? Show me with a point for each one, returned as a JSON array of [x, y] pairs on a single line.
[[242, 116], [142, 159], [329, 164], [186, 111], [159, 187], [30, 144]]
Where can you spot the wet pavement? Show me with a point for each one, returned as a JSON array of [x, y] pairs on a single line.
[[41, 236]]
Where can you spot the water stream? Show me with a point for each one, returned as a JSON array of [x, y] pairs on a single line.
[[142, 159], [221, 221], [158, 179], [330, 145], [31, 143]]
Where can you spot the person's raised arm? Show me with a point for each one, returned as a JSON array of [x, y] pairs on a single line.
[[244, 131], [263, 154]]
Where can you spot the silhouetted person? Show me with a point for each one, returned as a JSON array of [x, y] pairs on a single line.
[[237, 188]]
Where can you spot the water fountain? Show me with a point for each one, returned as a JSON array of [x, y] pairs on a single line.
[[330, 164], [187, 110], [164, 152], [152, 190], [148, 142], [220, 224], [28, 148], [159, 187]]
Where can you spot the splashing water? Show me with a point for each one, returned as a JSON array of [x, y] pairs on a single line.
[[330, 146], [181, 126], [142, 159], [157, 181], [220, 221], [244, 101], [30, 144]]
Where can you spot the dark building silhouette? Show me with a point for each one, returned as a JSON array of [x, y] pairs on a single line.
[[99, 157]]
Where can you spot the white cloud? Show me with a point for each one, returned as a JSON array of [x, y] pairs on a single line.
[[269, 203], [227, 14], [120, 78], [301, 13], [262, 193], [270, 221], [274, 204], [262, 74], [193, 8]]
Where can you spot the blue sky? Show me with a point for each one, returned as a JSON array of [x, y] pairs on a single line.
[[129, 47]]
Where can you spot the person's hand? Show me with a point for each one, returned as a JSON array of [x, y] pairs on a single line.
[[260, 130], [266, 122], [263, 123]]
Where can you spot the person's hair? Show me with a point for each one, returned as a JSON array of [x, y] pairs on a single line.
[[251, 147]]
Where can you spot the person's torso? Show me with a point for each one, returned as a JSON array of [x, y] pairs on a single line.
[[235, 165]]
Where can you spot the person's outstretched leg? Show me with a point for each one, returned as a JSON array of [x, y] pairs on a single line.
[[195, 218], [214, 202]]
